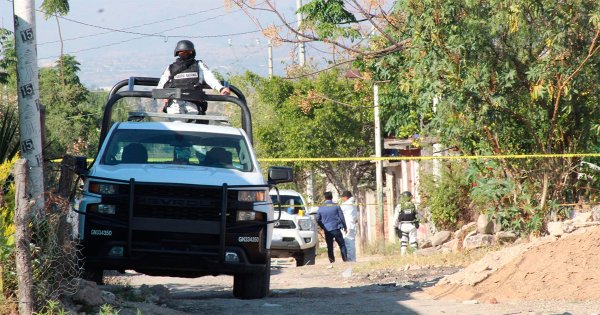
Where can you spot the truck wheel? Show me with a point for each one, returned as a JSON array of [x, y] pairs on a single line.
[[307, 257], [252, 286], [96, 275]]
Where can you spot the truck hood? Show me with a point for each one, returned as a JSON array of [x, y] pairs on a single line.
[[180, 174]]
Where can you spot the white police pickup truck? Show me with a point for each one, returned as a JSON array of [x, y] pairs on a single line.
[[295, 234], [178, 199]]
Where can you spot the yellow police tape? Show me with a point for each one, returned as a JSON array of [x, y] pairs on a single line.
[[447, 157], [411, 158]]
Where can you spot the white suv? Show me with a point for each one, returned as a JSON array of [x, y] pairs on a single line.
[[295, 234]]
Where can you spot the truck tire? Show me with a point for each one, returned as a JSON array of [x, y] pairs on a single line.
[[307, 257], [252, 286]]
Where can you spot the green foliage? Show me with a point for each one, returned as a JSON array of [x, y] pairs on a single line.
[[73, 114], [499, 77], [321, 116], [8, 58], [446, 196], [326, 17], [52, 7], [108, 309], [8, 279], [52, 307], [9, 144]]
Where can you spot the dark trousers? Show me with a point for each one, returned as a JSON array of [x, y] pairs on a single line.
[[339, 239]]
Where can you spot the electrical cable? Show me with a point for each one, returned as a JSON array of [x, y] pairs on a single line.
[[134, 26]]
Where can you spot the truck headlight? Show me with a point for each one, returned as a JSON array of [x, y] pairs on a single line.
[[305, 224], [246, 215], [102, 208], [103, 188], [252, 195]]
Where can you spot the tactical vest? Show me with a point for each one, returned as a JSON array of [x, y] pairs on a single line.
[[184, 78], [408, 212]]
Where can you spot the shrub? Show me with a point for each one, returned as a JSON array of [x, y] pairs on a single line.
[[446, 196]]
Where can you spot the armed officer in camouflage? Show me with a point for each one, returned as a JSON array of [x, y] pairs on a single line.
[[186, 73], [406, 222]]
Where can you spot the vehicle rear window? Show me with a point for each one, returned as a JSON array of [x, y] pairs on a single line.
[[290, 204]]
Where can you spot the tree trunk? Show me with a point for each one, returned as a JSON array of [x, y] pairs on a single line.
[[22, 239]]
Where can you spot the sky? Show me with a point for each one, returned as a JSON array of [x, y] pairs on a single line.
[[113, 40]]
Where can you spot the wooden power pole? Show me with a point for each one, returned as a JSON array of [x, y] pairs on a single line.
[[22, 239]]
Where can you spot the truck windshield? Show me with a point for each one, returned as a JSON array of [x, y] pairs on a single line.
[[128, 146]]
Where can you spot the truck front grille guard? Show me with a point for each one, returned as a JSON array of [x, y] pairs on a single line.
[[222, 219]]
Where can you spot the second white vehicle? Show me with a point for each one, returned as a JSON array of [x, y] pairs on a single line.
[[295, 234]]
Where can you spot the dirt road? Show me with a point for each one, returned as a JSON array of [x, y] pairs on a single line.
[[329, 289]]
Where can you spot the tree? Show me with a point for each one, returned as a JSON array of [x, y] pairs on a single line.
[[495, 77], [9, 135], [319, 117], [69, 102], [342, 24], [56, 8]]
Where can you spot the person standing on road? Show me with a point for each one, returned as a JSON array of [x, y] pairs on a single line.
[[331, 219], [406, 223], [349, 209], [186, 73]]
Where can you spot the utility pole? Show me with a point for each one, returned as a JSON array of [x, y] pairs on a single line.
[[301, 55], [378, 166], [270, 50], [29, 99]]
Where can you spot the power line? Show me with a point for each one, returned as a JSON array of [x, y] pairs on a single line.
[[136, 26]]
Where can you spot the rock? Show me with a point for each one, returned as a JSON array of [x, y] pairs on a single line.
[[491, 300], [504, 237], [155, 294], [87, 293], [477, 241], [484, 225], [555, 228], [497, 226], [596, 213], [440, 238], [451, 244], [461, 234], [582, 217], [568, 226], [108, 297], [471, 226], [425, 244]]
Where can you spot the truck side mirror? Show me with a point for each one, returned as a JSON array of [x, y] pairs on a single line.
[[280, 174], [81, 165]]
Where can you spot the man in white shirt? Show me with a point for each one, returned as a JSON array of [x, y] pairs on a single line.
[[349, 208]]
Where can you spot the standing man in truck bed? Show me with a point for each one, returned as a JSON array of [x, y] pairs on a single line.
[[186, 73]]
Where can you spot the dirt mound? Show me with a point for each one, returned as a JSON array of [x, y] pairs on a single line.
[[546, 269]]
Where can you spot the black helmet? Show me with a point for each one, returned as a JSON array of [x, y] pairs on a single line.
[[184, 45], [407, 194]]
